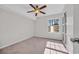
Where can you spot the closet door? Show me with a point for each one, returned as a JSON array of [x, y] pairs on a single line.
[[65, 28]]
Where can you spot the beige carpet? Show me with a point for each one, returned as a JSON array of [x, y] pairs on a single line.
[[36, 45]]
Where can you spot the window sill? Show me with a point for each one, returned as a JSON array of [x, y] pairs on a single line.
[[56, 32]]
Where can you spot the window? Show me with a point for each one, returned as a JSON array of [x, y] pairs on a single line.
[[53, 25]]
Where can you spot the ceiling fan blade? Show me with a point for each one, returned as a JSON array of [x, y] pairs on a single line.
[[42, 12], [35, 14], [43, 7], [36, 6], [32, 6], [29, 11]]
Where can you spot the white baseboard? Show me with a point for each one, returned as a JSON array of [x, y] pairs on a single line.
[[14, 42]]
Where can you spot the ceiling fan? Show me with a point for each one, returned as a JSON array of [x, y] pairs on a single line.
[[37, 9]]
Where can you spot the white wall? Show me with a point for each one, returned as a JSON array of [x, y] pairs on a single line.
[[14, 28], [69, 12], [76, 20], [76, 27], [42, 27]]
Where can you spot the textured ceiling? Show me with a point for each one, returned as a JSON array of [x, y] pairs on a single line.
[[23, 8]]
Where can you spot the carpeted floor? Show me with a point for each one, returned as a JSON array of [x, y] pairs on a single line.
[[36, 45]]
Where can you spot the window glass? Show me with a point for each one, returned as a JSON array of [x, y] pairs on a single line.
[[53, 25]]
